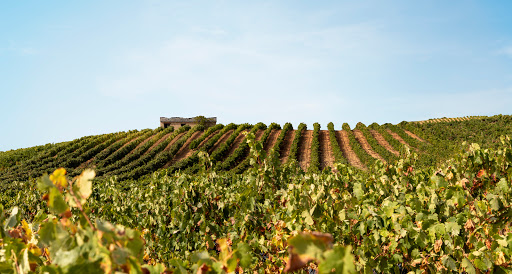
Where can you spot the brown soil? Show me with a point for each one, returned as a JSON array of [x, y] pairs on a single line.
[[185, 150], [271, 140], [414, 136], [259, 134], [238, 140], [207, 138], [145, 141], [397, 137], [346, 149], [383, 142], [286, 146], [158, 142], [326, 155], [366, 146], [174, 141], [221, 140], [141, 143], [304, 150]]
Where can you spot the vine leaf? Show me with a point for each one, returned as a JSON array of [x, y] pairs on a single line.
[[338, 260], [306, 247], [85, 183]]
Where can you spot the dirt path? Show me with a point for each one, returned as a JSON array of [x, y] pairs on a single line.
[[383, 142], [207, 138], [402, 141], [158, 142], [238, 140], [174, 141], [259, 134], [414, 136], [271, 140], [326, 155], [304, 151], [366, 146], [286, 146], [346, 149], [185, 150], [221, 140]]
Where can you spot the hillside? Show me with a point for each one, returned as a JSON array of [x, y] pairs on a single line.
[[444, 206], [133, 154]]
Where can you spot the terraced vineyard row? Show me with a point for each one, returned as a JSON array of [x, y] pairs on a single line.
[[444, 119], [132, 154]]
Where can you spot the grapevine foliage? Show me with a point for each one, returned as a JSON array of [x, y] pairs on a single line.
[[399, 217]]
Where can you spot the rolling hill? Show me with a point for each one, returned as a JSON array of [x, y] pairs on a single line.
[[132, 154]]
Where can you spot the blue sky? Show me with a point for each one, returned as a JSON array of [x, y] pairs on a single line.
[[74, 68]]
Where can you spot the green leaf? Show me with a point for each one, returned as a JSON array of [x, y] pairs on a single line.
[[494, 202], [307, 217], [135, 246], [12, 220], [338, 260], [120, 255], [86, 268], [179, 268], [481, 263], [452, 228], [44, 183], [56, 202], [450, 263], [47, 233], [439, 230], [503, 185], [7, 268], [134, 265], [64, 258], [104, 226], [439, 181], [160, 268], [244, 253], [468, 266], [201, 257], [40, 217], [358, 191], [389, 207]]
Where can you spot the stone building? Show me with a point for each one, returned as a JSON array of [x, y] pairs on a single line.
[[178, 122]]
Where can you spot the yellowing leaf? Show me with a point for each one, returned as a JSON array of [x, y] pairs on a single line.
[[58, 177], [306, 247], [27, 229], [35, 250], [85, 183]]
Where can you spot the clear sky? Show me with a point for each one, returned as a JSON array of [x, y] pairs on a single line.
[[74, 68]]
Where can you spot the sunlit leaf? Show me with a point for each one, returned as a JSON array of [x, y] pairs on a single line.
[[85, 183]]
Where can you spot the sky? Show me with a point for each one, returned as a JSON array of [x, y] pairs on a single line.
[[75, 68]]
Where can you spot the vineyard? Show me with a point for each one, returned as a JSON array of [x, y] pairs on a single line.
[[420, 197], [130, 155]]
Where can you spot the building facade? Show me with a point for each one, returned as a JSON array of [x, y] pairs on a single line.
[[178, 122]]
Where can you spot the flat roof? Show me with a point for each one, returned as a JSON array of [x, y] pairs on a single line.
[[184, 120]]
